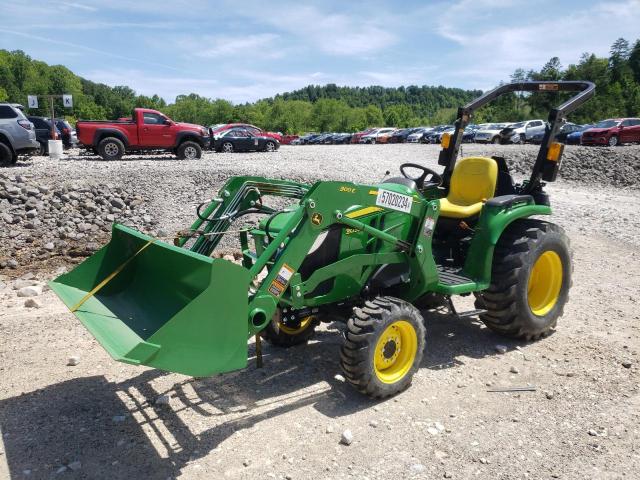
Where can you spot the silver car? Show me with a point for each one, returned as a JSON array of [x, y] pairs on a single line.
[[17, 134]]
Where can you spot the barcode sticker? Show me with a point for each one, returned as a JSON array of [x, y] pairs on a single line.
[[394, 201]]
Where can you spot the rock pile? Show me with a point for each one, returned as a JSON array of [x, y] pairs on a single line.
[[39, 221], [602, 166]]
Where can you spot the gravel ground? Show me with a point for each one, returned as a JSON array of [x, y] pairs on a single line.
[[102, 419]]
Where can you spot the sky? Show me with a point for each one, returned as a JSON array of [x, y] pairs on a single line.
[[244, 50]]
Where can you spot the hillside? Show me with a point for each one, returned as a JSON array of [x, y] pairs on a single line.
[[332, 107]]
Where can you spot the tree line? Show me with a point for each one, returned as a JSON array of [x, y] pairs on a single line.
[[335, 108]]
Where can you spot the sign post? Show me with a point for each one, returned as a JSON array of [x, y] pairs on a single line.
[[67, 101]]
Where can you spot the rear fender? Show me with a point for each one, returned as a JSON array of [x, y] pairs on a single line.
[[102, 133], [491, 225]]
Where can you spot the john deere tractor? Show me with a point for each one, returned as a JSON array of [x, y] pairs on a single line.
[[368, 254]]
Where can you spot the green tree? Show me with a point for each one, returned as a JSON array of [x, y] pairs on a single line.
[[634, 61], [373, 115]]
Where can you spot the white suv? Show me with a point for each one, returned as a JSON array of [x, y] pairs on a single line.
[[489, 133], [17, 134], [373, 136], [522, 132]]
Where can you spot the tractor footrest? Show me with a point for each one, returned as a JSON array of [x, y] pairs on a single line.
[[471, 313], [452, 276]]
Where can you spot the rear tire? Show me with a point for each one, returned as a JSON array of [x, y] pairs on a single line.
[[227, 147], [287, 335], [383, 346], [270, 147], [530, 282], [111, 148], [495, 140], [44, 149], [189, 151], [6, 156]]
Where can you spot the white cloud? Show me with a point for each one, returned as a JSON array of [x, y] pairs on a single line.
[[494, 40], [83, 47], [216, 46], [326, 31], [145, 83], [98, 25], [79, 5]]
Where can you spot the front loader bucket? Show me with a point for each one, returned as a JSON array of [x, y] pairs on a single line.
[[151, 303]]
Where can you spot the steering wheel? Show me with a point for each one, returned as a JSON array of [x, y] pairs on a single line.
[[435, 179]]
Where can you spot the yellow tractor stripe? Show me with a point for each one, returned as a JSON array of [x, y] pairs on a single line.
[[110, 277], [363, 211]]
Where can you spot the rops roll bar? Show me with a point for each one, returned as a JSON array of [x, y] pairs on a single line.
[[542, 169]]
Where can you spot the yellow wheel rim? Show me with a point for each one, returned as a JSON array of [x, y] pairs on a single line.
[[395, 351], [545, 282], [304, 324]]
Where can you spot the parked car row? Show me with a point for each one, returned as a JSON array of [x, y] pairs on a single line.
[[607, 132], [150, 130]]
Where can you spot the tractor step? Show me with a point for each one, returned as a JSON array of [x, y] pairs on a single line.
[[470, 313], [451, 276]]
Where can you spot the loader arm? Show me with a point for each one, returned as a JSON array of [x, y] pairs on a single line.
[[330, 205]]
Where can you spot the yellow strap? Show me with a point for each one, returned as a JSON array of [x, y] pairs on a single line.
[[110, 277]]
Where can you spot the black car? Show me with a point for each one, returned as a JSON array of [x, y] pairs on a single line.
[[435, 135], [401, 135], [566, 130], [242, 140], [469, 133], [319, 139], [342, 138], [43, 128], [67, 132]]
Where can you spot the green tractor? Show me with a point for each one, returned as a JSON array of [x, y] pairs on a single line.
[[369, 254]]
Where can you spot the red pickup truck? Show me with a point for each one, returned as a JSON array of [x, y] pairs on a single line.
[[146, 130]]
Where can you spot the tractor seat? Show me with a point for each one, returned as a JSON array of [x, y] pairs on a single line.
[[472, 183]]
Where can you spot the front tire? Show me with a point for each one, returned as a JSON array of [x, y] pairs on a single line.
[[495, 140], [189, 151], [613, 141], [383, 346], [111, 148], [270, 147], [531, 278], [290, 333], [227, 147]]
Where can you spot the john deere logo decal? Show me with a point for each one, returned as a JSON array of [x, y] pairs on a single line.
[[316, 219]]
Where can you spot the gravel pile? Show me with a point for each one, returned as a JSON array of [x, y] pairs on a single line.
[[615, 167], [40, 221]]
